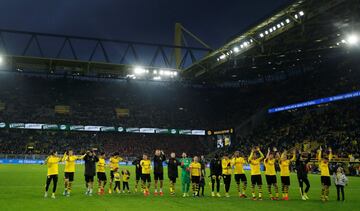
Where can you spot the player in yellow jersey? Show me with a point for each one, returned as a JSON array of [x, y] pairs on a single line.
[[255, 162], [101, 175], [284, 164], [195, 173], [238, 162], [226, 172], [52, 162], [145, 164], [325, 173], [270, 174], [114, 163], [69, 171]]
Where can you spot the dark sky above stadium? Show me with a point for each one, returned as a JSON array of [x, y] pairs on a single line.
[[138, 20]]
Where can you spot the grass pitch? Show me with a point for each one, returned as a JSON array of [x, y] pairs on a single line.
[[22, 188]]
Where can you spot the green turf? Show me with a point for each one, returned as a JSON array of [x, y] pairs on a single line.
[[22, 188]]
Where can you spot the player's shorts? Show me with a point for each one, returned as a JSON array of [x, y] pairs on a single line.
[[285, 180], [240, 177], [158, 176], [112, 175], [195, 179], [270, 179], [101, 176], [172, 179], [138, 176], [89, 178], [69, 176], [53, 177], [256, 180], [325, 180], [146, 177]]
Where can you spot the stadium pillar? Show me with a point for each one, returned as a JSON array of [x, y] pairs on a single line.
[[177, 42]]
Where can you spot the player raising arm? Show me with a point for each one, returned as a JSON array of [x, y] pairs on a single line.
[[69, 171], [325, 173], [90, 159], [270, 174], [238, 162], [114, 163], [173, 164], [255, 162], [158, 160], [52, 162], [284, 163]]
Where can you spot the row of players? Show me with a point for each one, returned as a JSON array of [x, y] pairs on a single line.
[[193, 172]]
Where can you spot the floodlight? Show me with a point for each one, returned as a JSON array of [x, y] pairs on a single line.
[[1, 59], [236, 49], [287, 20], [139, 70], [261, 35], [353, 39], [301, 13]]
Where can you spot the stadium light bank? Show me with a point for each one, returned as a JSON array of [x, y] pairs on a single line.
[[155, 74]]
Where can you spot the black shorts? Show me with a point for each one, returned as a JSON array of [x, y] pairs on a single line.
[[89, 178], [138, 176], [172, 179], [325, 180], [195, 179], [112, 175], [285, 180], [256, 180], [69, 176], [52, 177], [101, 176], [240, 177], [146, 177], [158, 176], [270, 179]]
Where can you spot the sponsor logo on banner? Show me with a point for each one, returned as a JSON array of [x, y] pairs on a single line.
[[33, 126], [50, 127], [198, 132], [120, 129], [17, 125], [159, 130], [221, 132], [173, 131], [185, 132], [147, 130], [77, 127], [107, 128], [63, 127], [133, 130], [2, 124], [92, 128]]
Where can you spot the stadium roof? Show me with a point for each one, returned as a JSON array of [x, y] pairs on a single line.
[[294, 36]]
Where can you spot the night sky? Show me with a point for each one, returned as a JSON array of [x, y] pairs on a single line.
[[138, 20]]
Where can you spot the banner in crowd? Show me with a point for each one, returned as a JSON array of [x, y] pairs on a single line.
[[95, 128], [316, 102]]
